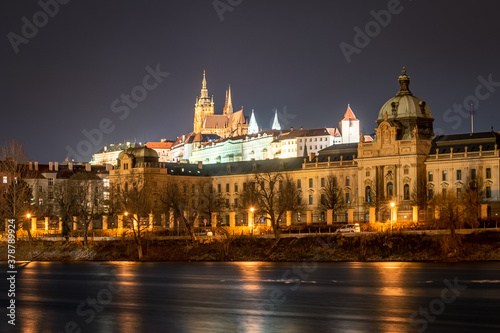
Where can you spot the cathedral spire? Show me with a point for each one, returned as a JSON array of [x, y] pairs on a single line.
[[253, 128], [229, 102], [204, 90], [276, 123]]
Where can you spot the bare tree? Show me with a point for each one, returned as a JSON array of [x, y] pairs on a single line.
[[14, 149], [274, 195], [332, 196], [135, 196], [174, 196], [88, 192], [66, 202], [209, 200]]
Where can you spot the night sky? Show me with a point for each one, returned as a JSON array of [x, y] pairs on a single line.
[[275, 54]]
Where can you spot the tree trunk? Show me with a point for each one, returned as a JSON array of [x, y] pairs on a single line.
[[30, 240]]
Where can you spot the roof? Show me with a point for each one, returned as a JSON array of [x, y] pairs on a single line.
[[159, 145], [307, 133], [349, 115], [473, 141], [343, 148]]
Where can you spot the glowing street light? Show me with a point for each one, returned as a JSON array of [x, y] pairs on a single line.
[[28, 215], [393, 204]]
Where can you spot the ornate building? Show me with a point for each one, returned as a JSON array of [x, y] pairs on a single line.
[[225, 125]]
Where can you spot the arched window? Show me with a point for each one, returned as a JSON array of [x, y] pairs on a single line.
[[368, 193], [390, 189], [406, 191]]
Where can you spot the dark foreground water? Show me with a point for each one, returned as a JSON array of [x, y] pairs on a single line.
[[256, 297]]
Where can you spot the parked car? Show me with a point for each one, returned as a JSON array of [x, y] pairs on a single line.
[[205, 233], [349, 228]]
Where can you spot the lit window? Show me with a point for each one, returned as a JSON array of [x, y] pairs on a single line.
[[310, 199], [459, 174], [5, 179], [347, 198], [235, 187], [445, 175], [51, 181], [430, 176], [347, 181]]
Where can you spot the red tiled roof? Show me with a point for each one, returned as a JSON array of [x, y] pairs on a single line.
[[159, 145], [349, 115]]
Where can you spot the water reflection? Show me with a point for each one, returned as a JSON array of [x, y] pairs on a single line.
[[252, 297]]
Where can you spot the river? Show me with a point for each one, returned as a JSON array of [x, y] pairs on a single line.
[[255, 297]]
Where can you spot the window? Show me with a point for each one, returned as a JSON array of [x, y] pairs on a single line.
[[51, 181], [106, 196], [322, 182], [310, 199], [51, 195], [488, 192], [368, 193], [473, 173], [315, 147], [459, 174], [430, 194], [227, 187], [219, 188], [368, 174], [236, 202], [244, 186], [310, 147], [323, 199], [347, 198], [227, 203], [390, 189], [445, 175], [315, 139], [310, 182], [430, 176], [235, 187], [40, 202], [125, 166], [5, 179], [299, 183], [40, 188], [347, 181], [406, 171], [488, 173]]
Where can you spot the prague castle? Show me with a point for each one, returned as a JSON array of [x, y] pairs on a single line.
[[394, 174]]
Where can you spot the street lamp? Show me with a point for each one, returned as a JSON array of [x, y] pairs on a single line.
[[392, 214]]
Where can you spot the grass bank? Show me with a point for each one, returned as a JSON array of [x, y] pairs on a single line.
[[481, 246]]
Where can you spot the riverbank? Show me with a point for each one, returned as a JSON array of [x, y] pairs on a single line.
[[481, 246]]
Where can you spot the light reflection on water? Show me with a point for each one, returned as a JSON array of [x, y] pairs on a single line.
[[238, 297]]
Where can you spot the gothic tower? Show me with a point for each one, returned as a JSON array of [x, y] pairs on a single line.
[[228, 107], [204, 106]]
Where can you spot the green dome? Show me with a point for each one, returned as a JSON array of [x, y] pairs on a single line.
[[407, 112]]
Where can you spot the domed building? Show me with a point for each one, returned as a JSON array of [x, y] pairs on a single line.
[[407, 112], [137, 157]]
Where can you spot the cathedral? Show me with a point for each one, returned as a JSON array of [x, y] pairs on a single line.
[[225, 125]]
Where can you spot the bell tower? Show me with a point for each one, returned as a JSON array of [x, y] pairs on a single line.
[[203, 107]]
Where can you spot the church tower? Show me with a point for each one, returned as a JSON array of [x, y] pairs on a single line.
[[228, 107], [204, 106]]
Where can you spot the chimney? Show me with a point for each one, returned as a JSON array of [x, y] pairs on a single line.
[[70, 166], [291, 129], [50, 166], [36, 166], [301, 128], [30, 165], [56, 166], [87, 167], [200, 165], [312, 156]]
